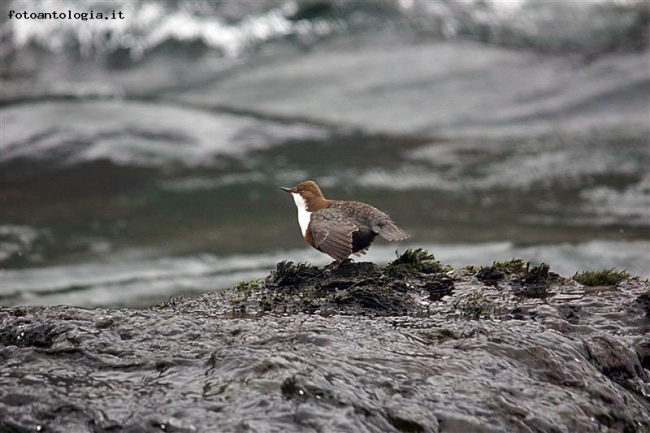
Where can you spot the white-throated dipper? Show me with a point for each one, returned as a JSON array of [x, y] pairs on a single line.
[[337, 227]]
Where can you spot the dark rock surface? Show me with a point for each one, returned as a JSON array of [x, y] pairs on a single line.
[[411, 347]]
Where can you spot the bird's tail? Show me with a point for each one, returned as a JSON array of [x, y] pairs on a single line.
[[389, 231]]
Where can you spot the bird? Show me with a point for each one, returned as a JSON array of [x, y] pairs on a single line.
[[340, 228]]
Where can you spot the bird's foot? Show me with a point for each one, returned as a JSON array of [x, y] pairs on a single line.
[[336, 264]]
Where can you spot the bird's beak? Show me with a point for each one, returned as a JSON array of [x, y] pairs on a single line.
[[285, 189]]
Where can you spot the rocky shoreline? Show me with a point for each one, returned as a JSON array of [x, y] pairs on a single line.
[[414, 346]]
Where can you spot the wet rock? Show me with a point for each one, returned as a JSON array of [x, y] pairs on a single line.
[[410, 347], [438, 287], [571, 313], [643, 352], [28, 334], [616, 361], [476, 305], [644, 300], [409, 420]]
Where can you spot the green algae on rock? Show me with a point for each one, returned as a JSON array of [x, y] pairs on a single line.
[[415, 262], [402, 287], [492, 275], [604, 277], [527, 281], [347, 288]]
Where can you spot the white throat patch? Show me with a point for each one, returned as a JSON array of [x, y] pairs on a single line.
[[303, 215]]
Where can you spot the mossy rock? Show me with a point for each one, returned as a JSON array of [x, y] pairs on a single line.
[[290, 274], [536, 282], [382, 300], [512, 267], [414, 262], [349, 269], [343, 288], [528, 281], [492, 275], [604, 277]]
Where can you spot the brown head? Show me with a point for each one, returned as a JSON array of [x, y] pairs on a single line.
[[310, 194]]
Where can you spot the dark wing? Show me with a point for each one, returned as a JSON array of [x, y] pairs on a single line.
[[332, 233]]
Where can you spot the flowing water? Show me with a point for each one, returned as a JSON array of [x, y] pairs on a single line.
[[142, 157]]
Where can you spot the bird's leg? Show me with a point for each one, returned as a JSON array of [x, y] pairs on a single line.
[[342, 263], [335, 264]]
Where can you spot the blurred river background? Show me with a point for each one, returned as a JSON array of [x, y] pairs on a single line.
[[142, 157]]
